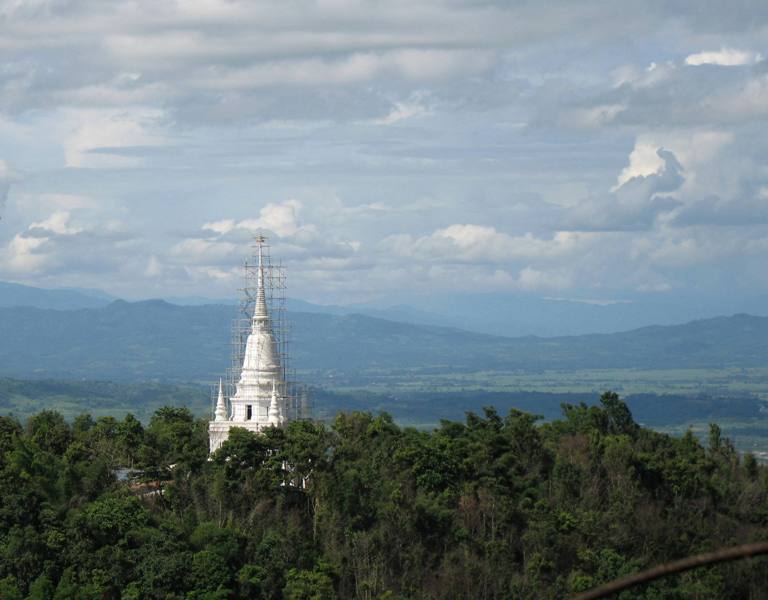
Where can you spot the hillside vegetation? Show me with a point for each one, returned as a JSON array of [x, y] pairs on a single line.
[[23, 398], [495, 507], [156, 340]]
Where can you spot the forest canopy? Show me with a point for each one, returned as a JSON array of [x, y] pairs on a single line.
[[494, 507]]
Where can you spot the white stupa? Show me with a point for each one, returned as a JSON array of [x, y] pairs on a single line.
[[260, 391]]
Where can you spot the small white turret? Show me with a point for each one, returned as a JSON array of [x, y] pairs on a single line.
[[274, 410], [221, 405]]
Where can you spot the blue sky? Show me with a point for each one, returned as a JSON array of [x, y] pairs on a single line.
[[607, 151]]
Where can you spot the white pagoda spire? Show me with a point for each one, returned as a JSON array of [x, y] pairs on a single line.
[[261, 363], [221, 405], [260, 385]]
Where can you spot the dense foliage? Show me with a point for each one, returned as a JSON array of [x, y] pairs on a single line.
[[496, 507], [419, 407]]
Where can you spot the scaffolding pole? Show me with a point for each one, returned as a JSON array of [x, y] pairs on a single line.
[[294, 399]]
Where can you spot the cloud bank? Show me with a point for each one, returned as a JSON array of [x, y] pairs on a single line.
[[430, 148]]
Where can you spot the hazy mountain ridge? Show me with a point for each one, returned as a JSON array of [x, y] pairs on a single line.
[[15, 294], [156, 340], [505, 314]]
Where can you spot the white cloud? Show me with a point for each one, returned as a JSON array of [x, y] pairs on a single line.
[[500, 126], [97, 138], [652, 75], [531, 279], [401, 111], [644, 160], [638, 203], [697, 246], [57, 223], [22, 256], [198, 251], [665, 94], [413, 65], [694, 150], [725, 57], [220, 227], [66, 244], [282, 219], [484, 244]]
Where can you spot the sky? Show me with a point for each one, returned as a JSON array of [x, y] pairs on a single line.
[[600, 151]]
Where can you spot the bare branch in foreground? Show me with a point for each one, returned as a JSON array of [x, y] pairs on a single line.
[[686, 564]]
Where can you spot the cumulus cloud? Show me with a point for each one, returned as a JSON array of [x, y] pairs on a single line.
[[435, 145], [725, 57], [83, 242], [22, 255], [645, 191], [689, 93], [100, 138], [282, 219], [216, 251], [644, 160], [678, 178], [468, 243], [58, 223], [403, 110]]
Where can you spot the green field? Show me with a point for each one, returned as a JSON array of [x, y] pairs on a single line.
[[747, 433], [725, 381], [22, 398]]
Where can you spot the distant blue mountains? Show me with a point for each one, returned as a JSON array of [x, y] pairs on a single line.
[[156, 340], [14, 294], [503, 314]]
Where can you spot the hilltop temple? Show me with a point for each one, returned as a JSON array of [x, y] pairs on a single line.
[[261, 393]]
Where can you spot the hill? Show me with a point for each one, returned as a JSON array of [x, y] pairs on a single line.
[[98, 398], [155, 340], [14, 294]]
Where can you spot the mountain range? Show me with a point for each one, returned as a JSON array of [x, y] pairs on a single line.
[[156, 340], [504, 314], [14, 294]]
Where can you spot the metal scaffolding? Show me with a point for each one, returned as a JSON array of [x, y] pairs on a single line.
[[293, 398]]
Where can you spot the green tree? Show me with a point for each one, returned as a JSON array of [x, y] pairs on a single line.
[[309, 585], [9, 589], [10, 431], [174, 436], [41, 589], [50, 431]]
